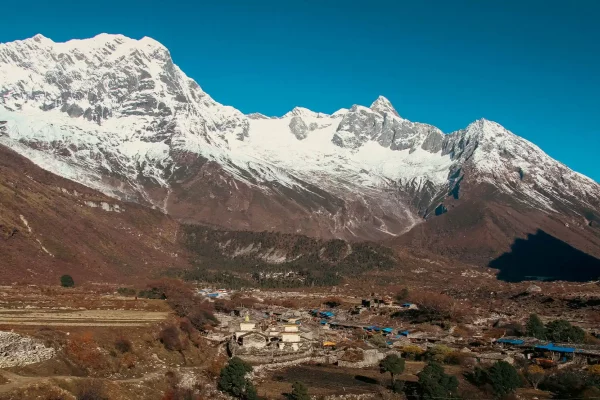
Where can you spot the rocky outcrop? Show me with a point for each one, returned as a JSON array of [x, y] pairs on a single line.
[[17, 350]]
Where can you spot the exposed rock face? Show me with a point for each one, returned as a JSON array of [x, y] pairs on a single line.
[[298, 128], [17, 350], [118, 115]]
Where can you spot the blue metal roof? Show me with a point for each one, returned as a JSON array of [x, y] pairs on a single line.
[[370, 328], [552, 347], [404, 333], [388, 330], [406, 304]]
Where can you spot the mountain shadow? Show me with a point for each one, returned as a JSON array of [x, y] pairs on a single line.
[[543, 257]]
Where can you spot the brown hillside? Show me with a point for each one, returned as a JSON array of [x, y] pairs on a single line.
[[483, 226], [51, 226]]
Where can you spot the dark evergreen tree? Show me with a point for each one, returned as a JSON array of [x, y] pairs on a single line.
[[402, 295], [233, 378], [299, 392], [67, 281], [392, 364], [251, 393], [434, 383], [535, 328], [562, 331], [504, 378]]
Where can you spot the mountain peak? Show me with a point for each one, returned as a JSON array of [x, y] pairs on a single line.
[[383, 105], [304, 112], [40, 38]]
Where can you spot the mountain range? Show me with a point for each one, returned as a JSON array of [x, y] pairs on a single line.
[[117, 115]]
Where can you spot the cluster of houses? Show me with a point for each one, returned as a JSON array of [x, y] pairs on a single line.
[[547, 354], [285, 335], [269, 340]]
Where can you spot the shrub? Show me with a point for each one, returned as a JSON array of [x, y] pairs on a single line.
[[402, 295], [224, 306], [434, 383], [535, 328], [594, 370], [216, 365], [67, 281], [534, 375], [332, 302], [435, 307], [182, 298], [232, 379], [567, 384], [457, 358], [169, 337], [299, 392], [562, 331], [438, 353], [123, 291], [412, 352], [152, 293], [378, 340], [186, 326], [392, 364], [479, 377], [123, 345], [90, 389], [504, 378], [84, 351]]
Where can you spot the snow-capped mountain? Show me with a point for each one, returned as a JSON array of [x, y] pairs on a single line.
[[117, 114]]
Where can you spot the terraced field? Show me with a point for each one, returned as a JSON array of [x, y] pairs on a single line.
[[43, 317]]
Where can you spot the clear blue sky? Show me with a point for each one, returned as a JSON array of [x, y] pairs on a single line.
[[531, 65]]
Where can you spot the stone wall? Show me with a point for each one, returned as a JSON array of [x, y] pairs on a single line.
[[291, 363], [268, 358], [371, 358]]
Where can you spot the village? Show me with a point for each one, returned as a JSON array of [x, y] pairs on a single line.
[[349, 335]]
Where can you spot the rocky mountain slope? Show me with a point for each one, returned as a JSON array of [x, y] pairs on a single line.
[[50, 226], [117, 114]]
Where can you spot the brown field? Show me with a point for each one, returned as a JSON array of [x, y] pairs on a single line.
[[326, 380], [95, 318], [114, 318]]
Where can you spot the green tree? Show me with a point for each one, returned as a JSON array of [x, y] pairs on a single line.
[[299, 392], [535, 328], [67, 281], [233, 378], [480, 376], [251, 393], [562, 331], [392, 364], [504, 378], [434, 383]]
